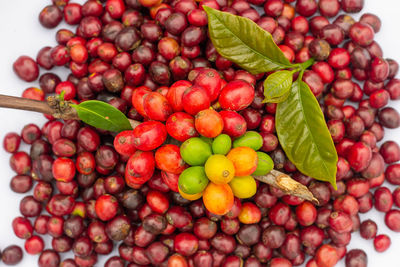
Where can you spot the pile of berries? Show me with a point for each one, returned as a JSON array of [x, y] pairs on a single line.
[[154, 62]]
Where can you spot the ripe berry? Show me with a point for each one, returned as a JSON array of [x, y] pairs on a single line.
[[381, 243], [106, 207]]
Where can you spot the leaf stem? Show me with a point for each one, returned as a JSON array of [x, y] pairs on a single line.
[[307, 64], [287, 184], [300, 77]]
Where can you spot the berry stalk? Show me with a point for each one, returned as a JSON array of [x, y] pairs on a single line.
[[287, 184]]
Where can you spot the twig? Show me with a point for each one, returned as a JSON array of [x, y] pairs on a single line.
[[53, 106], [288, 185], [25, 104]]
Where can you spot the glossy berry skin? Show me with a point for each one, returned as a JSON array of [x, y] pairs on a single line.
[[368, 229], [326, 256], [234, 124], [34, 245], [140, 167], [389, 118], [236, 95], [278, 262], [72, 13], [392, 220], [249, 213], [175, 93], [273, 236], [60, 205], [279, 213], [49, 258], [396, 196], [138, 99], [156, 106], [22, 227], [149, 135], [123, 143], [340, 222], [356, 257], [178, 217], [209, 123], [361, 33], [339, 58], [26, 68], [29, 207], [88, 139], [379, 70], [68, 88], [306, 213], [11, 142], [63, 169], [33, 93], [390, 152], [21, 183], [383, 199], [210, 80], [168, 159], [180, 126], [12, 255], [50, 16], [85, 163], [359, 156], [382, 242], [185, 244], [347, 204], [115, 8], [195, 99], [157, 201], [106, 207]]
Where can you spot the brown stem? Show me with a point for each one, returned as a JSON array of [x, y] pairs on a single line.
[[53, 106], [25, 104], [62, 109], [288, 185]]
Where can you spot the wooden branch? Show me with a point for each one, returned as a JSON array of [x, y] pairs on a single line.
[[63, 110], [53, 106], [25, 104], [287, 184]]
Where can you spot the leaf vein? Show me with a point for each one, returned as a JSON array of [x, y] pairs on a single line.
[[249, 47], [314, 143]]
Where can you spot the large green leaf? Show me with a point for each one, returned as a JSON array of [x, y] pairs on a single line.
[[277, 86], [243, 42], [102, 115], [304, 135]]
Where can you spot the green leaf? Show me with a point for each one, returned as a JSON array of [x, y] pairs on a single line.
[[102, 115], [277, 86], [61, 96], [243, 42], [304, 135]]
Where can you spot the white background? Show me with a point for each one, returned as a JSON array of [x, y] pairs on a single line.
[[21, 33]]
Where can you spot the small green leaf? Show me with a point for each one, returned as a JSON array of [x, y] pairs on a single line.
[[243, 42], [277, 86], [304, 135], [102, 115], [61, 96]]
